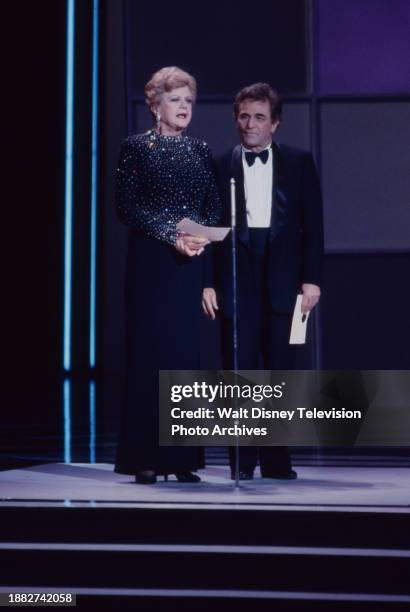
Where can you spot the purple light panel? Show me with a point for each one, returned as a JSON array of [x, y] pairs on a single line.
[[362, 46]]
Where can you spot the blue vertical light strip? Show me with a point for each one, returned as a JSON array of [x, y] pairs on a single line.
[[92, 421], [94, 183], [67, 420], [68, 195]]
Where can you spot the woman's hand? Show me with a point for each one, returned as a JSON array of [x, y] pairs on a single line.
[[187, 244]]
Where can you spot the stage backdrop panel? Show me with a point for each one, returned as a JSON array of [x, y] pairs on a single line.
[[365, 312], [365, 175], [226, 44], [362, 45]]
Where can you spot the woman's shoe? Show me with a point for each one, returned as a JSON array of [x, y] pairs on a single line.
[[187, 477], [146, 477]]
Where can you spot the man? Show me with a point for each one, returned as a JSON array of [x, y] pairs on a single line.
[[279, 252]]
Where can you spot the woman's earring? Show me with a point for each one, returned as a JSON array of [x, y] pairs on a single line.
[[158, 120]]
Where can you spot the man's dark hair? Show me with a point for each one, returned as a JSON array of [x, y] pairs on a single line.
[[260, 92]]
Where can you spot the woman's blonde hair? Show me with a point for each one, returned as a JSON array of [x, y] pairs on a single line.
[[167, 79]]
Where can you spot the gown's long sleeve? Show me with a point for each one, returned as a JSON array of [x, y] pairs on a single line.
[[133, 207]]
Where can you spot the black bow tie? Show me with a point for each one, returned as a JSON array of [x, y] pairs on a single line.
[[250, 156]]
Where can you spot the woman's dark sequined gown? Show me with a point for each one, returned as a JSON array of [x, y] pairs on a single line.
[[160, 180]]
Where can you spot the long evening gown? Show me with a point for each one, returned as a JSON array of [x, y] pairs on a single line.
[[160, 180]]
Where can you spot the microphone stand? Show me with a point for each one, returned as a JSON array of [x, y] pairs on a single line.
[[235, 317]]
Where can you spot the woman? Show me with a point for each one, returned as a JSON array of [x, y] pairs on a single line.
[[163, 176]]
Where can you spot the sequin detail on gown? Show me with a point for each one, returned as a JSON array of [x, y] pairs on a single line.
[[161, 180]]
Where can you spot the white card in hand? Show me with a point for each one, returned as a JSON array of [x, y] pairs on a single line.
[[214, 234], [299, 323]]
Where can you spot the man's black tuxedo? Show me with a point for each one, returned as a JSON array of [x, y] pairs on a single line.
[[272, 265], [296, 232]]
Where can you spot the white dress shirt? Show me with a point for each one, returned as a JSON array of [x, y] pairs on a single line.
[[258, 190]]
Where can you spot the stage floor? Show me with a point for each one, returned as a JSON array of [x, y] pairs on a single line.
[[344, 488]]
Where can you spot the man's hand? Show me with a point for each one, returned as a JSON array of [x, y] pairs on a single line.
[[311, 295], [189, 245], [209, 302]]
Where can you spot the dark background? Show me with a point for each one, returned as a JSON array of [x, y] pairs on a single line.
[[33, 132], [344, 72], [225, 44]]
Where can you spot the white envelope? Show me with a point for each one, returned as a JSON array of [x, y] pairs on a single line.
[[299, 323]]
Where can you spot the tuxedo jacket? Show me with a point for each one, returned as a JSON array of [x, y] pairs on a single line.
[[295, 247]]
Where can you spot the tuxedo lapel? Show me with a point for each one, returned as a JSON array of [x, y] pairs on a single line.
[[238, 175], [279, 200]]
